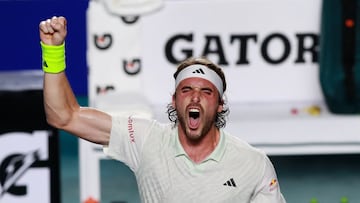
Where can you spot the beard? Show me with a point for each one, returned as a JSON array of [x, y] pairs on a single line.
[[201, 131]]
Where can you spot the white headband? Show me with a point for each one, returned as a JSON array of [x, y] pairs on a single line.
[[200, 71]]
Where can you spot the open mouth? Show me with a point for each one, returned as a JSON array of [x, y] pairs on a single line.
[[194, 115]]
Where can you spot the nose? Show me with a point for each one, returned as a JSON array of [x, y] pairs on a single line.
[[195, 96]]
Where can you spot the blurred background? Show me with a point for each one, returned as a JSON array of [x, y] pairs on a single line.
[[279, 57]]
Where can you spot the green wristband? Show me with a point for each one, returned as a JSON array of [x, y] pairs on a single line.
[[53, 58]]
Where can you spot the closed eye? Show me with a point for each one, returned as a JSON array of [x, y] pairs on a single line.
[[207, 90], [185, 89]]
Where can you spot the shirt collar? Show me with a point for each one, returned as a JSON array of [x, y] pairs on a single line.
[[216, 155]]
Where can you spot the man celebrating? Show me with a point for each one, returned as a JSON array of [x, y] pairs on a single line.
[[191, 160]]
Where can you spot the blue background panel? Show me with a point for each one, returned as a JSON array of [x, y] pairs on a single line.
[[20, 46]]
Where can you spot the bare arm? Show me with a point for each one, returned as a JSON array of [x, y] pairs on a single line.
[[61, 107]]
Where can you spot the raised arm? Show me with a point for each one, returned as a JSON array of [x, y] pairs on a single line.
[[61, 107]]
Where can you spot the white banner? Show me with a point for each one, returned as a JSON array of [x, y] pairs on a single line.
[[268, 49]]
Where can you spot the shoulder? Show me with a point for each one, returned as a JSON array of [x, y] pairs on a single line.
[[241, 147], [245, 156], [137, 121], [139, 128]]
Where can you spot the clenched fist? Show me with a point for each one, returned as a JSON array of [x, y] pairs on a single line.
[[53, 31]]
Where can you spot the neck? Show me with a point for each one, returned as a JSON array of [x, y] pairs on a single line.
[[201, 148]]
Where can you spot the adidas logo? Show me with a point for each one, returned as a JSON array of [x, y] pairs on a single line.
[[45, 64], [200, 71], [230, 183]]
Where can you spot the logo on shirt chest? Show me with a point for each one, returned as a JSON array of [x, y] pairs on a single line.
[[230, 183]]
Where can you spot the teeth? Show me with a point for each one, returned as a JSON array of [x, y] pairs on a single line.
[[194, 110]]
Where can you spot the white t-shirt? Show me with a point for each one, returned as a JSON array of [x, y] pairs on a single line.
[[233, 172]]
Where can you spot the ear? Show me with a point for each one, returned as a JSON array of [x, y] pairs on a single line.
[[220, 105]]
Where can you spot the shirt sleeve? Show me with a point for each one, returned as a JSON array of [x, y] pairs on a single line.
[[268, 190], [128, 134]]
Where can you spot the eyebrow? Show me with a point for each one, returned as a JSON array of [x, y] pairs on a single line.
[[201, 88]]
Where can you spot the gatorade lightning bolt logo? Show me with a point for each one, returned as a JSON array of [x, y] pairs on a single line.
[[103, 42], [12, 169], [132, 67], [24, 165]]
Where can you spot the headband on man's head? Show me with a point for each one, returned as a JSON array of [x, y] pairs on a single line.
[[200, 71]]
